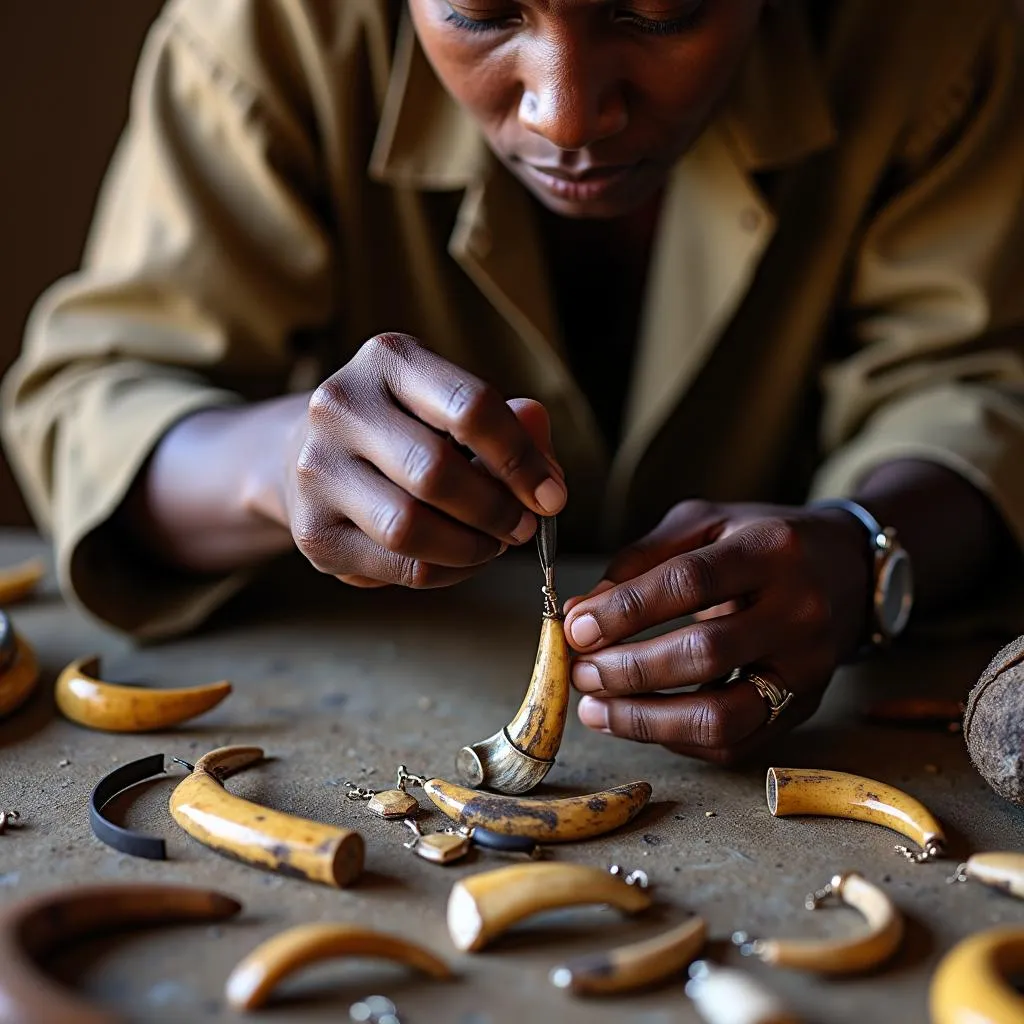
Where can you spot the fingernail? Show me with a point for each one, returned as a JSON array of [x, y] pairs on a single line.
[[593, 713], [524, 528], [585, 631], [550, 496], [585, 677], [501, 550]]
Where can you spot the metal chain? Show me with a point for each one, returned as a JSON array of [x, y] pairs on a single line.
[[406, 778]]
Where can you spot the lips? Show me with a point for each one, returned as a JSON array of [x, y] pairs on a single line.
[[580, 186]]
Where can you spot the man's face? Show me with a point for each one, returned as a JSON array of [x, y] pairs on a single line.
[[588, 102]]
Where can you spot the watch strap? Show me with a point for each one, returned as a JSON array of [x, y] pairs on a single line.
[[871, 524], [876, 638]]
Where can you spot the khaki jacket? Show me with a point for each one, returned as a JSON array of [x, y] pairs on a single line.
[[838, 277]]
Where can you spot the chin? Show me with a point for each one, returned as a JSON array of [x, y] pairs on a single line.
[[605, 209]]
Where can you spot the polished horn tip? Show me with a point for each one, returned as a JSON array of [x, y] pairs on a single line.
[[498, 764]]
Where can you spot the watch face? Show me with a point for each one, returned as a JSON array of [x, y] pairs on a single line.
[[894, 595]]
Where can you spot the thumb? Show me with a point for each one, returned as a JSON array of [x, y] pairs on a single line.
[[537, 423]]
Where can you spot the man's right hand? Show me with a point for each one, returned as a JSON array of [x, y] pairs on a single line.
[[380, 492]]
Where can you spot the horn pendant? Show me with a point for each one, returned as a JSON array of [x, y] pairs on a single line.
[[517, 757]]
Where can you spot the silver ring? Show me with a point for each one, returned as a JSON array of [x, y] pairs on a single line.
[[776, 697]]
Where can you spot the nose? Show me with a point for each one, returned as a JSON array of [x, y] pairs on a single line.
[[569, 100]]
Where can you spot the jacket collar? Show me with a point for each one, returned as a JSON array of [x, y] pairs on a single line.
[[715, 218]]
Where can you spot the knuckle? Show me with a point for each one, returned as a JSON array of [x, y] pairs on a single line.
[[632, 674], [692, 508], [629, 602], [468, 404], [329, 400], [711, 725], [689, 580], [393, 524], [512, 464], [426, 466], [782, 538], [309, 534], [701, 654], [814, 611], [309, 465], [640, 724], [388, 346], [417, 574]]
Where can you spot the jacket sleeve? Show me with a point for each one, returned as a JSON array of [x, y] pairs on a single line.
[[205, 258], [935, 369]]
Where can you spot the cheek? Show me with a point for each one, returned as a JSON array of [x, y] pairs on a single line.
[[683, 86], [479, 79]]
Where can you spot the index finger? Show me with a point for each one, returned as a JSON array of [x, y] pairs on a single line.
[[683, 585], [450, 399]]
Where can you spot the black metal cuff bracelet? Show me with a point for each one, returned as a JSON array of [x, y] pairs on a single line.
[[135, 843]]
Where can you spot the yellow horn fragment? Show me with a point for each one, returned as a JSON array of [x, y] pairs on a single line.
[[999, 869], [256, 834], [841, 956], [971, 984], [812, 791], [18, 581], [482, 907], [33, 929], [561, 820], [18, 679], [254, 979], [110, 707], [638, 966], [516, 759]]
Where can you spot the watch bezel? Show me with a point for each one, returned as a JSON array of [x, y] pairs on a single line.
[[892, 557]]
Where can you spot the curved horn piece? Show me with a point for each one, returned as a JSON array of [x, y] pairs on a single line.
[[813, 791], [30, 930], [516, 759], [110, 707], [251, 983], [256, 834], [561, 820]]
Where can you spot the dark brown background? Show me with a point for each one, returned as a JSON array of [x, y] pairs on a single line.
[[65, 74]]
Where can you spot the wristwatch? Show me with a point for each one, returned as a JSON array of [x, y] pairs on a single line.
[[892, 597]]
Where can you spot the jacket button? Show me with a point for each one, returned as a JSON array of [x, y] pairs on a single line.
[[750, 219]]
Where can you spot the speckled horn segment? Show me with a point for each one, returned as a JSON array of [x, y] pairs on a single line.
[[634, 967], [561, 820], [34, 928], [247, 831], [817, 791]]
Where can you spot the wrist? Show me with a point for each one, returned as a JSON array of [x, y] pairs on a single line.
[[852, 587], [275, 432], [891, 581]]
